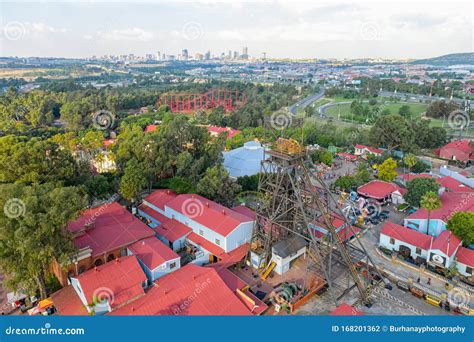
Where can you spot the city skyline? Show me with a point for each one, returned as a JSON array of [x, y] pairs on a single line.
[[304, 30]]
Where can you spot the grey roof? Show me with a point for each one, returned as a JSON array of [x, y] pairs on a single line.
[[289, 246], [245, 160]]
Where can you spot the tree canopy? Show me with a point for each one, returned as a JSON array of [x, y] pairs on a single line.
[[462, 225], [417, 188]]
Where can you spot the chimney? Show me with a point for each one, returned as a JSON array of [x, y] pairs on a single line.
[[223, 211], [168, 192], [207, 204]]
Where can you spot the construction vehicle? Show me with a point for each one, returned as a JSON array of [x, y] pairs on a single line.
[[268, 270]]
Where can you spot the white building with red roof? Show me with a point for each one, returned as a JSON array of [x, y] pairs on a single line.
[[460, 150], [364, 151], [382, 192], [110, 286], [101, 234], [193, 291], [156, 258], [465, 261], [438, 251], [192, 220], [215, 131], [451, 202]]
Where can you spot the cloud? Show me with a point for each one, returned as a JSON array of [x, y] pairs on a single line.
[[129, 34]]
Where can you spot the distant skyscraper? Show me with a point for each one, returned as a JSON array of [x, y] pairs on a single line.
[[229, 54], [245, 53], [236, 55], [207, 56], [185, 54]]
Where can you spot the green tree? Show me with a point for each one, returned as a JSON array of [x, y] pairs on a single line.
[[346, 183], [417, 188], [386, 170], [217, 185], [405, 111], [33, 234], [430, 201], [409, 160], [462, 225], [133, 180], [392, 131]]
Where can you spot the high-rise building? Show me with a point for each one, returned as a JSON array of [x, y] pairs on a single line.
[[236, 55], [245, 53], [185, 54], [207, 56]]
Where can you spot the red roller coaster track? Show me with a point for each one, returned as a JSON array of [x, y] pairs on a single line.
[[230, 100]]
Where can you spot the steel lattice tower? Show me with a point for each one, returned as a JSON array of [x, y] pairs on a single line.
[[291, 199]]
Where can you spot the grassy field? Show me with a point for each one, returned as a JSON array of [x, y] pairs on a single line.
[[344, 110]]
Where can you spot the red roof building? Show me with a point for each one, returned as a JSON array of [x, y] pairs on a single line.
[[191, 291], [407, 235], [150, 128], [152, 252], [246, 211], [379, 190], [107, 228], [347, 156], [451, 184], [216, 130], [451, 202], [461, 150], [68, 303], [206, 244], [172, 230], [407, 177], [364, 150], [346, 310], [465, 256], [159, 198], [111, 285], [446, 242], [210, 214]]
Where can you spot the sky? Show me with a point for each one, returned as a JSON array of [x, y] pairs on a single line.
[[283, 29]]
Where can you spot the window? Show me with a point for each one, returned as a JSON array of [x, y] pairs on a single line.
[[98, 262], [392, 241], [82, 269], [218, 242], [172, 265], [468, 270], [201, 232], [110, 257], [418, 251]]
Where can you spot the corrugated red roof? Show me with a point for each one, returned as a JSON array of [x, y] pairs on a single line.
[[159, 198], [346, 310], [218, 130], [454, 185], [407, 235], [446, 242], [451, 202], [152, 252], [107, 228], [172, 230], [120, 280], [411, 176], [346, 155], [461, 149], [68, 303], [150, 128], [378, 189], [153, 213], [465, 256], [242, 209], [210, 214], [369, 148], [192, 290], [207, 245]]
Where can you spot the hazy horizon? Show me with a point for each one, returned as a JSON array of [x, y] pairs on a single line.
[[282, 29]]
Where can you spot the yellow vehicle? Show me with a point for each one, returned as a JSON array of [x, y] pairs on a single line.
[[433, 300]]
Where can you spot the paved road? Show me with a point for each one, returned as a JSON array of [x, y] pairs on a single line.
[[305, 102], [417, 97]]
